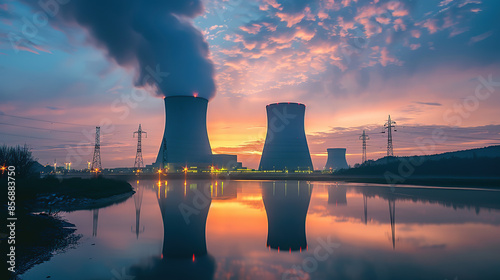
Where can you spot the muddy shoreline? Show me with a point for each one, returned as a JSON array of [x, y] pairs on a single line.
[[42, 236]]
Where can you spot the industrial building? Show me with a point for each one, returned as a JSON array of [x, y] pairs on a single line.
[[225, 161], [285, 147]]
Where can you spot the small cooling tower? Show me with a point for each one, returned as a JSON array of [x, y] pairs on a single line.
[[286, 143], [185, 136], [336, 159]]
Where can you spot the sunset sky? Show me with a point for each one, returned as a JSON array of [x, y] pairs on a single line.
[[432, 65]]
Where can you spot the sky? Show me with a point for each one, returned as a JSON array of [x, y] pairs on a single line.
[[432, 65]]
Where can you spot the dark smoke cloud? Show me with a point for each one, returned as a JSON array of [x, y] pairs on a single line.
[[150, 36]]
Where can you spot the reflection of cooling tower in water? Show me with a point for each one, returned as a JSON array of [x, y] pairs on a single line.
[[336, 159], [184, 208], [286, 143], [337, 195], [286, 205], [139, 191], [185, 132]]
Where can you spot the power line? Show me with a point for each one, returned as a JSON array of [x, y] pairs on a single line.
[[40, 128], [34, 137], [40, 120], [455, 136]]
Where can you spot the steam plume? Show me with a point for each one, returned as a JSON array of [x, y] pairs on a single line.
[[150, 36]]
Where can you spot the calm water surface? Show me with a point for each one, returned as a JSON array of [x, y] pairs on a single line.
[[284, 230]]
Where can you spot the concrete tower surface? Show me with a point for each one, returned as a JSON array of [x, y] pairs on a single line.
[[286, 143], [185, 136], [336, 159]]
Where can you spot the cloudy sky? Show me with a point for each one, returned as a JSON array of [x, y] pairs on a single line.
[[432, 65]]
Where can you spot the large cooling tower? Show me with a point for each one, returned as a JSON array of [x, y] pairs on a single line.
[[336, 159], [185, 136], [286, 143]]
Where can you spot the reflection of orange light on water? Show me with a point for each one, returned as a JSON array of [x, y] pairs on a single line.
[[193, 257], [300, 249], [250, 197], [278, 249], [161, 256], [290, 251]]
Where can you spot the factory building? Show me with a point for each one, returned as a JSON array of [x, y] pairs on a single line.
[[225, 161]]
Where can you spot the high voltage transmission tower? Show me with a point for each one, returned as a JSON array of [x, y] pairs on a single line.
[[96, 160], [389, 125], [138, 156], [364, 137]]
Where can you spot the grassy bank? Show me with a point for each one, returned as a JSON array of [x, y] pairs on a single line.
[[91, 188], [40, 236]]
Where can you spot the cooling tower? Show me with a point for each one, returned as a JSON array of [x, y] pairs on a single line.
[[185, 136], [286, 205], [336, 159], [286, 143]]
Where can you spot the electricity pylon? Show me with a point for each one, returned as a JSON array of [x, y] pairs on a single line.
[[138, 156], [364, 137], [96, 159], [389, 125]]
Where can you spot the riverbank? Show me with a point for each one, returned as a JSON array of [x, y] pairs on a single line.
[[40, 233], [39, 237]]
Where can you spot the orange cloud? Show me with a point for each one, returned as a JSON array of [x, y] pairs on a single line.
[[290, 19]]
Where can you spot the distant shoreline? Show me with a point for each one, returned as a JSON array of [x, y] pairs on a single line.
[[441, 181]]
